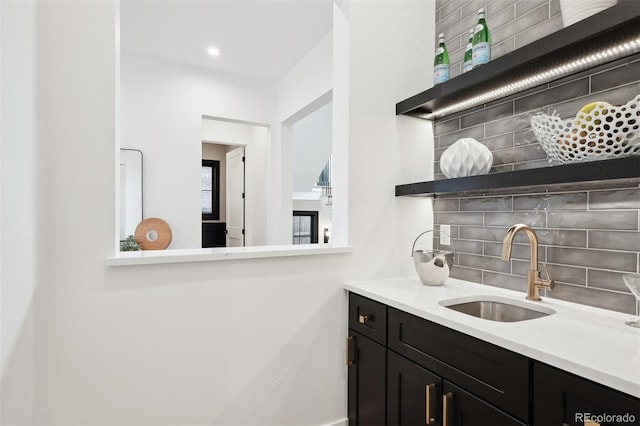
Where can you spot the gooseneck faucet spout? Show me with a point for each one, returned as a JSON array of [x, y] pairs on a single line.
[[534, 282]]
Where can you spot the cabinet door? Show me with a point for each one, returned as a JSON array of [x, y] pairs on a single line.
[[560, 398], [494, 374], [367, 381], [413, 393], [460, 408]]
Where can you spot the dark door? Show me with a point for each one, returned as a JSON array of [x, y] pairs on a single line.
[[213, 234], [560, 398], [460, 408], [367, 381], [413, 394]]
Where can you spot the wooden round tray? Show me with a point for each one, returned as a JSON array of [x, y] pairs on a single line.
[[153, 234]]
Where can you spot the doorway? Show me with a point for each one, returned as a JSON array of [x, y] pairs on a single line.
[[244, 217], [223, 195], [312, 140]]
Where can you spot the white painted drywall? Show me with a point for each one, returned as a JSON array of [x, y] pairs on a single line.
[[235, 342], [162, 106], [309, 79], [389, 59], [311, 139], [306, 87], [18, 209], [78, 146]]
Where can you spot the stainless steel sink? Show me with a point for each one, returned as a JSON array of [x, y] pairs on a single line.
[[497, 308]]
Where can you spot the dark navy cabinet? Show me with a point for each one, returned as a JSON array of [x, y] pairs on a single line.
[[405, 370]]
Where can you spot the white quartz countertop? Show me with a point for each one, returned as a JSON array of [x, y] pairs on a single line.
[[589, 342]]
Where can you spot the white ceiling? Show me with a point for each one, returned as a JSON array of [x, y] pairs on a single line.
[[256, 38]]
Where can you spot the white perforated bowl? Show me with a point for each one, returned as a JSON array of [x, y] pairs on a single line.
[[606, 132]]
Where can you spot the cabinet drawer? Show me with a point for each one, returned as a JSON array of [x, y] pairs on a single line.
[[368, 318], [560, 398], [496, 375]]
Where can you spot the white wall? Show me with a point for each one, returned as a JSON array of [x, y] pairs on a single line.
[[162, 107], [311, 139], [231, 342], [78, 74], [390, 57], [18, 209], [306, 87]]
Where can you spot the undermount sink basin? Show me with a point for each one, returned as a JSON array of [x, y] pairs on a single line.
[[497, 308]]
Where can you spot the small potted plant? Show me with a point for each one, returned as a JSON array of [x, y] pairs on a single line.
[[129, 244]]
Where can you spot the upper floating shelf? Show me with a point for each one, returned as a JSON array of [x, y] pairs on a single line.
[[624, 170], [609, 35]]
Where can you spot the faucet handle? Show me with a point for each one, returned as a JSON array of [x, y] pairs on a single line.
[[548, 283]]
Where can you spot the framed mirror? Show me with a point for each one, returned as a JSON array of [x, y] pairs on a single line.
[[131, 191]]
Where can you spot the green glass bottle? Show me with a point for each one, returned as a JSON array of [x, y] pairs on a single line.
[[481, 50], [441, 62], [467, 65]]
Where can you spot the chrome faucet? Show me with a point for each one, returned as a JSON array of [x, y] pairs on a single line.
[[534, 282]]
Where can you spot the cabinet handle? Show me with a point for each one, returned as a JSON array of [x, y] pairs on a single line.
[[590, 423], [429, 394], [446, 406], [363, 318], [350, 343]]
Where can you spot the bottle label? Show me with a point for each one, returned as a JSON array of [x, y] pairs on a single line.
[[439, 50], [481, 53], [441, 73], [467, 66]]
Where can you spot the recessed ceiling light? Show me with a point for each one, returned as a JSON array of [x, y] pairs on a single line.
[[213, 51]]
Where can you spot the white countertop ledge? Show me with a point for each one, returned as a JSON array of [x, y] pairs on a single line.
[[150, 257], [589, 342]]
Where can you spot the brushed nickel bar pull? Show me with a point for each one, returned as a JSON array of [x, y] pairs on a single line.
[[428, 395], [350, 342], [445, 408]]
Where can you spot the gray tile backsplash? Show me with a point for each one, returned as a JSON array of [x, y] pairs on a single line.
[[629, 199], [594, 219], [569, 201], [590, 238], [614, 240], [601, 259], [484, 204]]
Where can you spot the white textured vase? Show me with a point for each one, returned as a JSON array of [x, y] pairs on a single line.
[[576, 10], [466, 157]]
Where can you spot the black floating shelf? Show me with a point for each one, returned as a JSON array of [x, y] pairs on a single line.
[[609, 27], [622, 169]]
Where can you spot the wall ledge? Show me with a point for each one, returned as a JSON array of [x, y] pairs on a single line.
[[150, 257]]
